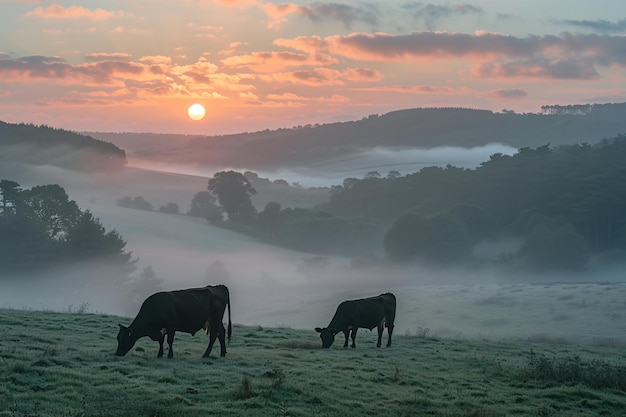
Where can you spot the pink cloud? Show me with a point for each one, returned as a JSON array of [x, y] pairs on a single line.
[[38, 68], [567, 56], [56, 11]]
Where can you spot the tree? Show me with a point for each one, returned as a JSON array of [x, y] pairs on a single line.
[[554, 246], [479, 223], [171, 208], [25, 244], [50, 206], [233, 191], [269, 220], [203, 204], [9, 191], [138, 203], [439, 238], [89, 240], [143, 286]]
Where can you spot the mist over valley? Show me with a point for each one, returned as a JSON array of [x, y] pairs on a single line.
[[301, 170], [272, 286]]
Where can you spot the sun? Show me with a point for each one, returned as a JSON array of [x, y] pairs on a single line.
[[196, 112]]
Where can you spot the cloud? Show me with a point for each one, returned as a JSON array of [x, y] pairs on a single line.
[[279, 11], [106, 56], [317, 77], [556, 69], [445, 45], [310, 44], [566, 56], [56, 11], [431, 14], [601, 26], [514, 93], [344, 13], [111, 73], [319, 12], [275, 61], [414, 89], [334, 99], [156, 59]]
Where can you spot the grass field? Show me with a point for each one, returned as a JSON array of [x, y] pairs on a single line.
[[62, 364]]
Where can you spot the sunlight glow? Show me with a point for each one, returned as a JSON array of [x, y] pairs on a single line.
[[196, 112]]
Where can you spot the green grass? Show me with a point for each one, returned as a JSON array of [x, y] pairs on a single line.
[[62, 364]]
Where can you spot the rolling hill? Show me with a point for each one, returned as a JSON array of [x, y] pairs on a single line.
[[424, 128]]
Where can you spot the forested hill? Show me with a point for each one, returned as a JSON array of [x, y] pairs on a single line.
[[420, 128], [43, 145]]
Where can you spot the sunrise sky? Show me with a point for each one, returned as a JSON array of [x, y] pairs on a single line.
[[136, 66]]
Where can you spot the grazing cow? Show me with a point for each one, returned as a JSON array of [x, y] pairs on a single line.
[[187, 311], [379, 311]]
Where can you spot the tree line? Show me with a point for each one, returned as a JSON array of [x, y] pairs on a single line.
[[40, 144], [563, 204]]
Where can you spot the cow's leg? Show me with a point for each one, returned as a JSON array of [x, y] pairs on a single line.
[[347, 334], [161, 339], [354, 337], [212, 336], [389, 332], [170, 341], [381, 328], [222, 338]]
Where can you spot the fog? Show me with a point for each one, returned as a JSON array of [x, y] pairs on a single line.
[[334, 171], [273, 287]]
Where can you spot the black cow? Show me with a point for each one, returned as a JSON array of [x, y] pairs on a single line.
[[187, 311], [379, 311]]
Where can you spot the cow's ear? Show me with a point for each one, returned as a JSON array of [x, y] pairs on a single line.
[[122, 327], [318, 329]]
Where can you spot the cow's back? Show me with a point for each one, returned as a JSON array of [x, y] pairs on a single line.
[[365, 313], [181, 310]]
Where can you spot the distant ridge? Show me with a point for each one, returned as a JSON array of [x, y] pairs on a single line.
[[43, 145], [416, 128]]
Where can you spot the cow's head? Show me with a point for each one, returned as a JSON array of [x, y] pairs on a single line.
[[125, 340], [327, 335]]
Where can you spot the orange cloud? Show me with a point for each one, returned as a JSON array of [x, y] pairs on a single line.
[[334, 99], [56, 11], [310, 44], [156, 59], [275, 61], [103, 56], [414, 89], [277, 12]]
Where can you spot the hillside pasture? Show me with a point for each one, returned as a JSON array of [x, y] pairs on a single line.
[[62, 364]]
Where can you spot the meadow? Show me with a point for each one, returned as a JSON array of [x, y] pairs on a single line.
[[62, 364]]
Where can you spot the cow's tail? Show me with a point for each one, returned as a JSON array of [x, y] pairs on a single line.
[[230, 326]]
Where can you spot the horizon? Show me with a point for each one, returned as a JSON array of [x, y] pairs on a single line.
[[256, 65]]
